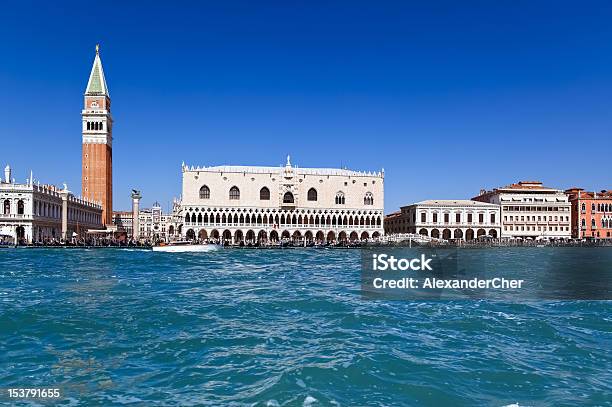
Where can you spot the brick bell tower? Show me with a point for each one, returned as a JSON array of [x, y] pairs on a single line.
[[97, 170]]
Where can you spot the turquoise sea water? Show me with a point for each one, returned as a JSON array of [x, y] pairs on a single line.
[[281, 327]]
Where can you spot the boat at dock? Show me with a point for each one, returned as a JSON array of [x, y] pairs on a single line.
[[184, 247]]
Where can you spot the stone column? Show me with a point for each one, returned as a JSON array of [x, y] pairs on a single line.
[[7, 174], [64, 193], [136, 195]]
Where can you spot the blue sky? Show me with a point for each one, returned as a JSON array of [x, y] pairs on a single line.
[[448, 97]]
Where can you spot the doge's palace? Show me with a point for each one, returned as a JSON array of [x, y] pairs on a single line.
[[257, 204]]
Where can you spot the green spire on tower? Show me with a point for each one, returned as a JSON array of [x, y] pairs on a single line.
[[97, 83]]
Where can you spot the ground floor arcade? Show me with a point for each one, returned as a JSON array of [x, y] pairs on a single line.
[[37, 231], [28, 232], [466, 234], [234, 235]]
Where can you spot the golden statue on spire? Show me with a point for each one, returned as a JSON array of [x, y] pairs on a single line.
[[97, 49]]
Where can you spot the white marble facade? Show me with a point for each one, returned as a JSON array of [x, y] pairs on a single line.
[[447, 219], [31, 212], [249, 204]]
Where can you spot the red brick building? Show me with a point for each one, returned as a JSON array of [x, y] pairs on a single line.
[[395, 223], [591, 213]]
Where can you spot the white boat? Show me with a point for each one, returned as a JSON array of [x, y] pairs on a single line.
[[183, 247]]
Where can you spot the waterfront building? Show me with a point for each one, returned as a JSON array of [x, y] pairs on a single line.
[[447, 219], [175, 224], [250, 204], [395, 223], [97, 131], [152, 224], [591, 213], [38, 213], [530, 210], [123, 222]]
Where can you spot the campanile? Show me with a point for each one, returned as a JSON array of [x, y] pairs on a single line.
[[97, 169]]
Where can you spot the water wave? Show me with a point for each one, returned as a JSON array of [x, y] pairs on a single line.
[[281, 327]]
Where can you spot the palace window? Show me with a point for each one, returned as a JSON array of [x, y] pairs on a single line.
[[264, 194], [288, 198], [492, 218], [457, 218], [368, 199], [423, 217], [340, 198], [480, 218], [234, 193], [446, 218], [7, 206], [20, 207], [435, 218], [312, 194], [204, 192]]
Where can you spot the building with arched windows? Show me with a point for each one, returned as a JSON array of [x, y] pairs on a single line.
[[254, 204], [457, 219], [32, 212], [591, 213], [97, 152]]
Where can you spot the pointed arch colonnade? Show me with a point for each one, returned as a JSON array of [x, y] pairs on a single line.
[[250, 225]]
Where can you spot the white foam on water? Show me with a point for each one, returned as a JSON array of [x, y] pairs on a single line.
[[308, 401]]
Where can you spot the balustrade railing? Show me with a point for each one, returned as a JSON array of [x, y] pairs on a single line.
[[15, 216], [282, 225]]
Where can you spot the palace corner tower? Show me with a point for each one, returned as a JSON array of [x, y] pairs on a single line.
[[97, 170]]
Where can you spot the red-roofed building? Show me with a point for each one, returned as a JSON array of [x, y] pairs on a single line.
[[530, 210], [591, 213], [395, 223]]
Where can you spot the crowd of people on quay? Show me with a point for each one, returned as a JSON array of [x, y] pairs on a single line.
[[88, 242], [287, 243], [122, 241]]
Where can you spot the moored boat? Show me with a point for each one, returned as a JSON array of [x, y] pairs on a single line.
[[184, 246]]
